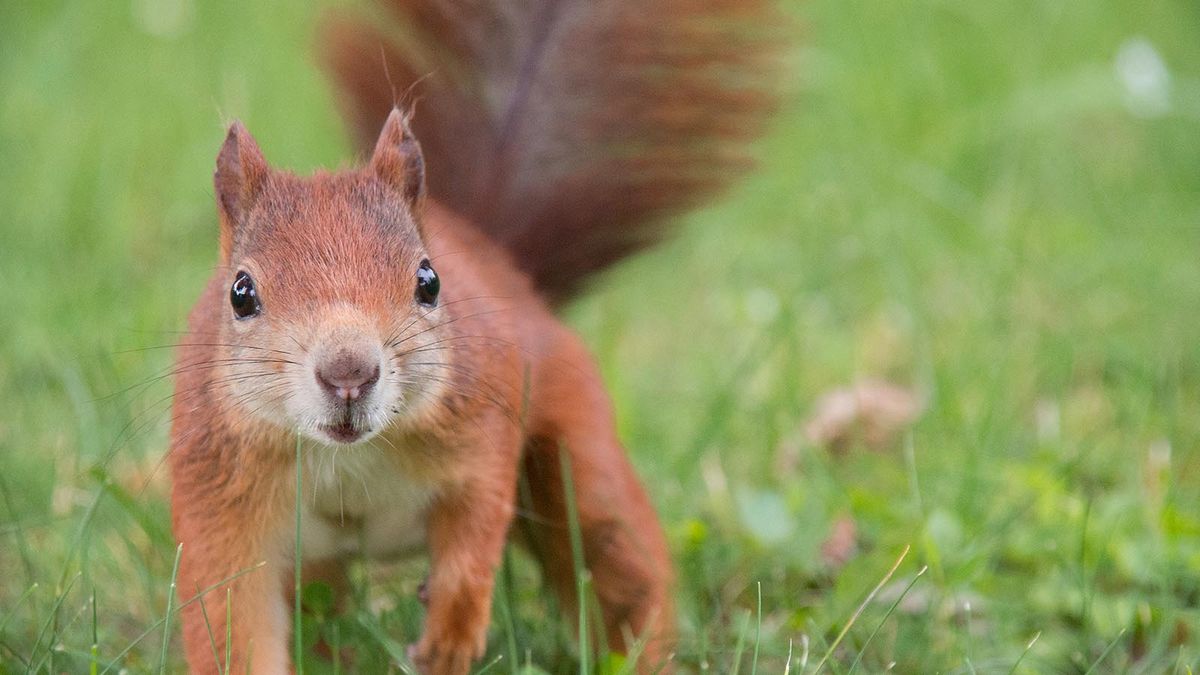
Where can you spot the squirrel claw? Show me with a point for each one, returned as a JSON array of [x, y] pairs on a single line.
[[423, 593]]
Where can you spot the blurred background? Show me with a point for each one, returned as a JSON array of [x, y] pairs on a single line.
[[956, 313]]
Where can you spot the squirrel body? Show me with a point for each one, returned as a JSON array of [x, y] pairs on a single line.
[[397, 330], [503, 386], [342, 518]]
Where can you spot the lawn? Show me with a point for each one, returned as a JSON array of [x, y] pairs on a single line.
[[993, 204]]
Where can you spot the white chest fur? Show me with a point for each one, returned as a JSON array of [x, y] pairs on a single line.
[[357, 500]]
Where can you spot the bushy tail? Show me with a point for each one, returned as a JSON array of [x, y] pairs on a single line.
[[567, 129]]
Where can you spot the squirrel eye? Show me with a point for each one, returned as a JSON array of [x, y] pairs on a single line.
[[243, 297], [427, 284]]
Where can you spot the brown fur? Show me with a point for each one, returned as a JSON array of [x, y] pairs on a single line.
[[557, 135], [566, 129], [514, 377]]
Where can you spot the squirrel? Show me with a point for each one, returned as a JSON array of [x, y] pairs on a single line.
[[397, 320]]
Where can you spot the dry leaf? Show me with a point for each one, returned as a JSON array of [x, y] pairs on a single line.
[[841, 543], [871, 411]]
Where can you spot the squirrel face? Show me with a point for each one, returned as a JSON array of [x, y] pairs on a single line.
[[333, 321]]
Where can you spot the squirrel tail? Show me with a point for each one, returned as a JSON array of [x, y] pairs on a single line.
[[568, 130]]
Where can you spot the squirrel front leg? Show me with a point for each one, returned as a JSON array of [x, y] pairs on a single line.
[[623, 544], [467, 528], [467, 531], [231, 549]]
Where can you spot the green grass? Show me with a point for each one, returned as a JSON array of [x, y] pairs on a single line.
[[956, 196]]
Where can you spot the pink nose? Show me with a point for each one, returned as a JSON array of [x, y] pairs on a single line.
[[347, 376]]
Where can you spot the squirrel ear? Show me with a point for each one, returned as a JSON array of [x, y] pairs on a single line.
[[398, 160], [241, 170]]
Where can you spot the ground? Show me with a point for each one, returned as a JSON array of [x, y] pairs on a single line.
[[993, 205]]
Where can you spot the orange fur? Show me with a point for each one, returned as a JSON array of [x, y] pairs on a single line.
[[558, 136], [496, 386]]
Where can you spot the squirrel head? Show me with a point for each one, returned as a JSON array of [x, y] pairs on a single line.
[[332, 321]]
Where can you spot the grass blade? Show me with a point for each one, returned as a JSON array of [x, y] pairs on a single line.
[[153, 627], [18, 531], [24, 596], [891, 609], [1104, 654], [1032, 642], [741, 645], [581, 581], [490, 664], [53, 615], [162, 657], [854, 617], [212, 639], [228, 629], [94, 658], [757, 630], [505, 604], [394, 650], [298, 657]]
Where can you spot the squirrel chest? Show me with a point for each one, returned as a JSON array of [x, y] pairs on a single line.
[[358, 501]]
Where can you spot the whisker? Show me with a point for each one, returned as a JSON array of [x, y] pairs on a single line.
[[443, 305], [136, 350], [399, 341]]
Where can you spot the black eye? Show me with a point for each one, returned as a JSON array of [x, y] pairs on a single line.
[[243, 297], [427, 284]]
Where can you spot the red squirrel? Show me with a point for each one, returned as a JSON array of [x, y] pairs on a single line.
[[397, 320]]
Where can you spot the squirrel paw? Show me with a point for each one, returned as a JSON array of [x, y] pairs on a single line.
[[446, 656]]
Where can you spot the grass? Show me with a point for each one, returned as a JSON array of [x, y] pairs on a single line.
[[963, 197]]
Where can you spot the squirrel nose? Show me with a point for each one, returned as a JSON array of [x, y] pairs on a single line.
[[347, 376]]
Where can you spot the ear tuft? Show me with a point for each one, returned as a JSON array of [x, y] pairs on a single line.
[[397, 159], [241, 170]]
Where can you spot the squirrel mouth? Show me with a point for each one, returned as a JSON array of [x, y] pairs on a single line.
[[343, 432]]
